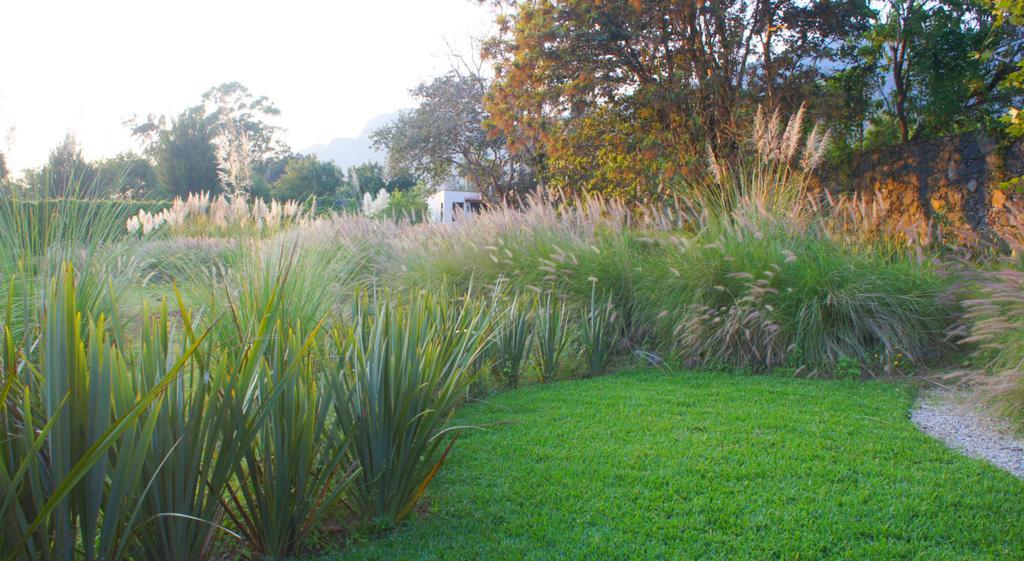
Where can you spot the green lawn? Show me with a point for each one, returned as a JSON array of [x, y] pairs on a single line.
[[684, 466]]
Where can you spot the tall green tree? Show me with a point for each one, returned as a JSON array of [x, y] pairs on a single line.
[[66, 172], [226, 137], [234, 110], [127, 175], [307, 176], [367, 177], [183, 152], [933, 78], [1010, 14]]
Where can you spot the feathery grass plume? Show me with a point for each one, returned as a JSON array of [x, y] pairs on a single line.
[[234, 157], [790, 141], [232, 216], [375, 206], [994, 324], [769, 175], [713, 165], [408, 364]]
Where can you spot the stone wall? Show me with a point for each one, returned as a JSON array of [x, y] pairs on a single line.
[[948, 182]]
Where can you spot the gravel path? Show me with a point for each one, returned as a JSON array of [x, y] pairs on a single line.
[[950, 418]]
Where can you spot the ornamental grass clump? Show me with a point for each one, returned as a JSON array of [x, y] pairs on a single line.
[[754, 290], [76, 432], [553, 331], [408, 362], [994, 320], [513, 339], [598, 333]]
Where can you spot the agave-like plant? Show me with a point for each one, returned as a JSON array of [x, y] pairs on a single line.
[[205, 423], [552, 335], [74, 438], [299, 465], [598, 334], [409, 363], [512, 341]]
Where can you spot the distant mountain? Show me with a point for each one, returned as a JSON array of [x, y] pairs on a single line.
[[348, 152]]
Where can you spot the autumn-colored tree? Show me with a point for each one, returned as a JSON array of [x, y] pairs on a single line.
[[649, 84]]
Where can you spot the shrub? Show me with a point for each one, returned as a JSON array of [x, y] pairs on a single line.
[[75, 436], [298, 466]]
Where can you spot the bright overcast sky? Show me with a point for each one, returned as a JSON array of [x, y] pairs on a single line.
[[330, 66]]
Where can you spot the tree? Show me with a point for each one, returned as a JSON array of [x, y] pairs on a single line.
[[127, 175], [675, 76], [66, 172], [3, 167], [183, 152], [1012, 12], [307, 176], [243, 135], [367, 177], [231, 123], [447, 135], [932, 82], [236, 113]]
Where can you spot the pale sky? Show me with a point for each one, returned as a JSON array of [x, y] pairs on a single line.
[[330, 66]]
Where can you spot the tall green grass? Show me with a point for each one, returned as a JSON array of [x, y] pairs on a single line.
[[756, 291]]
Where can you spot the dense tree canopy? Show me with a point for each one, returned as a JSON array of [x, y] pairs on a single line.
[[183, 152], [126, 175], [623, 95], [634, 90], [307, 176]]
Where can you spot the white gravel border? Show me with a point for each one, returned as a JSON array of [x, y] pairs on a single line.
[[951, 418]]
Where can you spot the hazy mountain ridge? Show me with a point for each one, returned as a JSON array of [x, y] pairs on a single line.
[[347, 151]]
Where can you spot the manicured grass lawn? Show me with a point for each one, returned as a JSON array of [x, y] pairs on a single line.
[[680, 466]]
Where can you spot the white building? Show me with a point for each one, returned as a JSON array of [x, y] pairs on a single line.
[[448, 207]]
